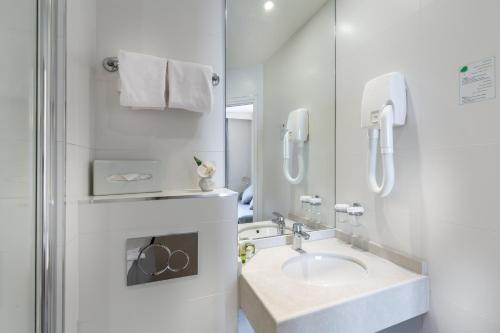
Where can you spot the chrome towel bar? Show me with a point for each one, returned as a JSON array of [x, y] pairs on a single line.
[[111, 65]]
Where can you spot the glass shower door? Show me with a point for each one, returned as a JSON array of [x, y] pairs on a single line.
[[18, 42]]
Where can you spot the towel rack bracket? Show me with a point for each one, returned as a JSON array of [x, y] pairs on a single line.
[[110, 64], [215, 79]]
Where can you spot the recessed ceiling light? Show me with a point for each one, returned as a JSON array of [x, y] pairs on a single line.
[[268, 6], [346, 28]]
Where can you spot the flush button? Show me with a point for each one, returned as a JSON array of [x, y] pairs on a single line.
[[179, 261], [154, 259]]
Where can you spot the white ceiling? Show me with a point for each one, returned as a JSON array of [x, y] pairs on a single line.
[[253, 34]]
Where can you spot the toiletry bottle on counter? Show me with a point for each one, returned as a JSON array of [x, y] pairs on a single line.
[[315, 215]]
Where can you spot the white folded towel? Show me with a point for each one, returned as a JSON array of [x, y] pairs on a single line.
[[189, 86], [143, 80]]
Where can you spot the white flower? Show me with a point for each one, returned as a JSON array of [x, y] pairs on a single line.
[[206, 169]]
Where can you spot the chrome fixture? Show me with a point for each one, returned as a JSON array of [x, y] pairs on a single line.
[[49, 198], [280, 221], [151, 259], [341, 208], [298, 235], [354, 212], [356, 209], [111, 65]]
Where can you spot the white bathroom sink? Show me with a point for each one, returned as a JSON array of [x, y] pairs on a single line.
[[325, 269], [258, 230]]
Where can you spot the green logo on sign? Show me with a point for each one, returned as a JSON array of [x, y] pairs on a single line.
[[464, 69]]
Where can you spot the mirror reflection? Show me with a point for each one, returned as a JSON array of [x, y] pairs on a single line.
[[280, 114]]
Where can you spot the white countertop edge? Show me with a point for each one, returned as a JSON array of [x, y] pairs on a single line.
[[312, 310], [372, 312], [351, 299], [163, 195]]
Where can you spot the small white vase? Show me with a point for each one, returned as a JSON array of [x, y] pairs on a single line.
[[206, 184]]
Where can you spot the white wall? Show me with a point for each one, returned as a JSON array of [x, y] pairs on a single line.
[[245, 84], [98, 128], [301, 74], [447, 156], [239, 153], [190, 30], [17, 165], [80, 108]]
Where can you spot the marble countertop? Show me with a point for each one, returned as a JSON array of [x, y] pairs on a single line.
[[275, 302]]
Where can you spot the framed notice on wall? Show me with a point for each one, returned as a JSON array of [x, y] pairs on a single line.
[[478, 81]]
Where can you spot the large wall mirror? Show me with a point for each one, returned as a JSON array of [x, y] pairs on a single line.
[[280, 113]]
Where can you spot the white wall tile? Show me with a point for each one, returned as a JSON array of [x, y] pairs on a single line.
[[71, 286], [17, 16], [80, 71], [17, 257], [16, 168], [17, 65], [215, 313], [77, 187], [462, 262], [78, 161], [449, 45], [361, 20], [461, 185]]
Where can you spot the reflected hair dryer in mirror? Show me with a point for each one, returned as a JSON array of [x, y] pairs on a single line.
[[383, 107], [297, 131]]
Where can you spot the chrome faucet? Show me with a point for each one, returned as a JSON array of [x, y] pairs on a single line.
[[280, 221], [298, 235]]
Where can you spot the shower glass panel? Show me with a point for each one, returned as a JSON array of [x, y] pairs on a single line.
[[18, 20]]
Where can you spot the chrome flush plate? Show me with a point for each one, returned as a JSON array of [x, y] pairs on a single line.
[[157, 258]]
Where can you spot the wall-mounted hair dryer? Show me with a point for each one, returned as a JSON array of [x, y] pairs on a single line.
[[297, 131], [383, 107]]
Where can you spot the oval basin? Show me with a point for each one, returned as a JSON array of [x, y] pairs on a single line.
[[325, 269], [260, 231]]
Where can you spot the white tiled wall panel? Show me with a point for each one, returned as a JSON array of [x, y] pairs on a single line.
[[17, 259], [206, 302], [17, 169], [447, 156], [98, 128], [80, 110]]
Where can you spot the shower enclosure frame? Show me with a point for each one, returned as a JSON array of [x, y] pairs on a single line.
[[50, 129]]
